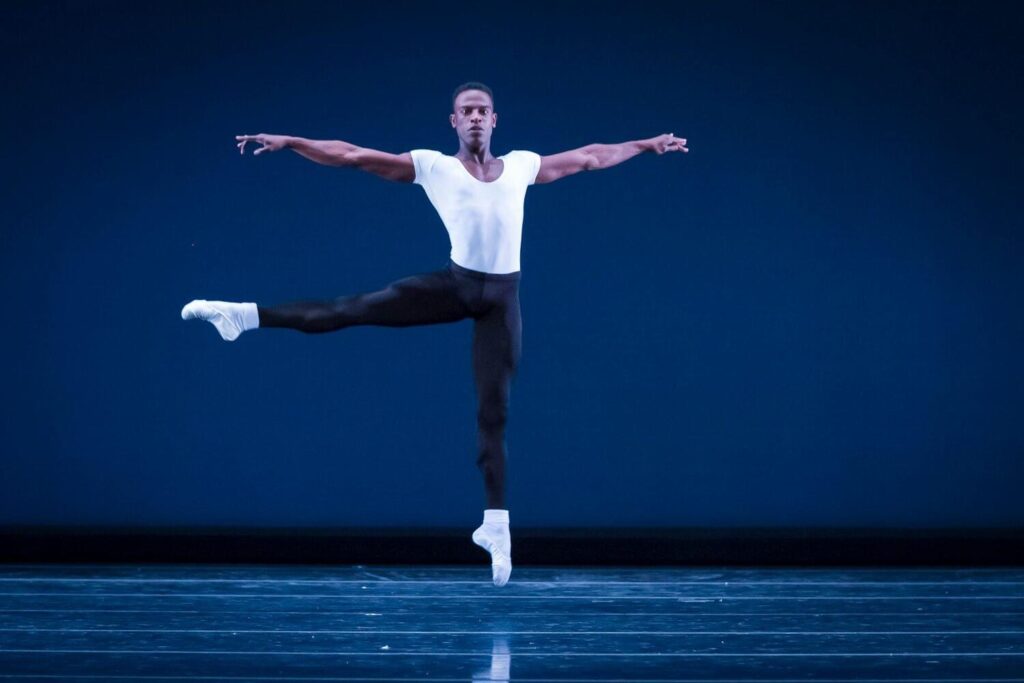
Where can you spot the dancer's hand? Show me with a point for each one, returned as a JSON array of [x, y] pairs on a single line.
[[666, 143], [271, 143]]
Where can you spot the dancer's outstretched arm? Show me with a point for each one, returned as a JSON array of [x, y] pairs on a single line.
[[397, 167], [598, 156]]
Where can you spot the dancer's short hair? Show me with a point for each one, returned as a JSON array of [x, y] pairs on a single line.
[[472, 85]]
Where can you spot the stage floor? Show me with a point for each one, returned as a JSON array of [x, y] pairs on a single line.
[[430, 623]]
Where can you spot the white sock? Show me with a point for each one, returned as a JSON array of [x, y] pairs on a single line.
[[229, 318], [494, 537]]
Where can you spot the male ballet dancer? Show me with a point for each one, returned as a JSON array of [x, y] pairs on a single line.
[[480, 200]]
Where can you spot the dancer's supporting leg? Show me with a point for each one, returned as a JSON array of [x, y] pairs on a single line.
[[497, 348]]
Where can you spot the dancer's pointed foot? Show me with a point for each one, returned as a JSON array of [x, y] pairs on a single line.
[[494, 537], [229, 318]]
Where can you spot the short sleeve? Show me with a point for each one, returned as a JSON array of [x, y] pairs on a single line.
[[532, 164], [423, 160]]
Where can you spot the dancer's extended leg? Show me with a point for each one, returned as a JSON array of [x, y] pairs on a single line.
[[422, 299], [415, 300]]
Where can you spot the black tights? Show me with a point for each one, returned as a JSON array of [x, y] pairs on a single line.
[[447, 295]]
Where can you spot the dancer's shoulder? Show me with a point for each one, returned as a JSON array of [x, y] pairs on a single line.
[[530, 162], [423, 161]]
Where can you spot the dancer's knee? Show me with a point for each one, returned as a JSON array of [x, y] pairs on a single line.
[[325, 318], [492, 417]]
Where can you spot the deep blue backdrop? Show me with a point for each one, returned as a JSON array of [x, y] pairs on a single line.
[[813, 318]]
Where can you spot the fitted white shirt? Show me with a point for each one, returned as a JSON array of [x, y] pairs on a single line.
[[484, 220]]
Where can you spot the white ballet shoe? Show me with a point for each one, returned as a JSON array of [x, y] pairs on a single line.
[[227, 317], [499, 545]]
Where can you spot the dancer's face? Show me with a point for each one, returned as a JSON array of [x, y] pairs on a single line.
[[474, 109]]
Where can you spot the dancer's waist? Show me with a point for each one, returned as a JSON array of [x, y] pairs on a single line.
[[479, 274]]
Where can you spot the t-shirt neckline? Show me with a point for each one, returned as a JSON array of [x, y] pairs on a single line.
[[504, 169]]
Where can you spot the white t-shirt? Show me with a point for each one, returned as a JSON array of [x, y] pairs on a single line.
[[484, 220]]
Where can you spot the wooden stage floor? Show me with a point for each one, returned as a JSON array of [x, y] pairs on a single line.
[[150, 622]]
